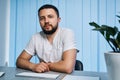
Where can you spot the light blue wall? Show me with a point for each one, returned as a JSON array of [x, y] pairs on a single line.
[[75, 14], [4, 31]]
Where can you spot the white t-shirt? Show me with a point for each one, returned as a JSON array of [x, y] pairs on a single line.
[[39, 45]]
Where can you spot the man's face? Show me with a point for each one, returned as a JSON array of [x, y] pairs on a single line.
[[48, 20]]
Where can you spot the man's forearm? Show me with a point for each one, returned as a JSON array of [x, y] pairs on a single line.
[[61, 66], [22, 63], [25, 64]]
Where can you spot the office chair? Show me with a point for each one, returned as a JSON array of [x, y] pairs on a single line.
[[78, 64]]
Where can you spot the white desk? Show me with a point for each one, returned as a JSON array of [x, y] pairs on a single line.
[[11, 71]]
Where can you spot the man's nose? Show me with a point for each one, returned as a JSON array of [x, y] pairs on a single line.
[[46, 20]]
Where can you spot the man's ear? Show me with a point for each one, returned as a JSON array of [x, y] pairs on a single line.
[[59, 19]]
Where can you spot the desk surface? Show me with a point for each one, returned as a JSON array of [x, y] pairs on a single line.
[[11, 71]]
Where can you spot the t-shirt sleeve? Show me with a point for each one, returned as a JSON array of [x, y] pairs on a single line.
[[69, 40], [30, 48]]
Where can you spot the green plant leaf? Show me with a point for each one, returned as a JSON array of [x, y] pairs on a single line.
[[118, 16], [96, 27], [114, 43], [111, 34], [94, 24], [110, 30], [118, 39]]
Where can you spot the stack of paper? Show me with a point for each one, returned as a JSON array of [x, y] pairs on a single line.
[[41, 75], [1, 73], [71, 77]]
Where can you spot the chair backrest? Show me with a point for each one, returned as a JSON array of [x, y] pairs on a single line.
[[79, 65]]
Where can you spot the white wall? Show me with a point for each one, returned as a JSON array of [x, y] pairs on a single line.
[[4, 31]]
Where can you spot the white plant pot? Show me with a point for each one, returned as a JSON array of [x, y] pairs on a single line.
[[113, 65]]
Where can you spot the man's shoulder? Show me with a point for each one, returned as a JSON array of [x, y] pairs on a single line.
[[38, 34], [66, 29]]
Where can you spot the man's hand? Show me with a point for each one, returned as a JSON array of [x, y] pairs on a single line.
[[40, 67], [23, 61]]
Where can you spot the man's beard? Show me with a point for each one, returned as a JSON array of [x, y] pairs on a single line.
[[51, 31]]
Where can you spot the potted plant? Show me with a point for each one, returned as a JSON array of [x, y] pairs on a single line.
[[112, 58]]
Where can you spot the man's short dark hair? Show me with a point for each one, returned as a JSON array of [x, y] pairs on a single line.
[[47, 6]]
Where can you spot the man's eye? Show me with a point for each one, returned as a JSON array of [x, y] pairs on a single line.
[[41, 18], [50, 16]]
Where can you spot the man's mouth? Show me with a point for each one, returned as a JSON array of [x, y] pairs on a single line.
[[47, 26]]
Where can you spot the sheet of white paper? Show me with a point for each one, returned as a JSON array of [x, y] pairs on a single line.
[[71, 77], [1, 73], [41, 75]]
